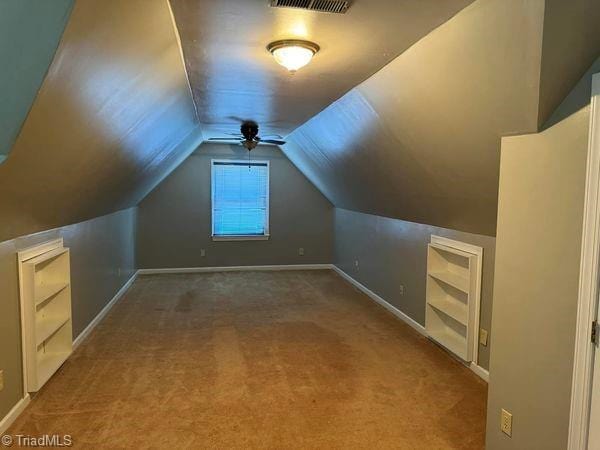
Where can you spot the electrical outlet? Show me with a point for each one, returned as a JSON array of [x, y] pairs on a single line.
[[483, 337], [202, 252], [401, 289], [356, 263], [301, 251], [1, 380], [506, 422]]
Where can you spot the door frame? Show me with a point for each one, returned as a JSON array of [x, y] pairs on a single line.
[[583, 364]]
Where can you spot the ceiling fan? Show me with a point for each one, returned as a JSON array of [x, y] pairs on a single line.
[[249, 137]]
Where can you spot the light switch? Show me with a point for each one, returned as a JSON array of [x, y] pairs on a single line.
[[483, 337]]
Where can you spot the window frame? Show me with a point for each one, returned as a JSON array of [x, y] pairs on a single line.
[[240, 237]]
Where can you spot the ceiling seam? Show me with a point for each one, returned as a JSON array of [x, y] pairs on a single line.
[[181, 55]]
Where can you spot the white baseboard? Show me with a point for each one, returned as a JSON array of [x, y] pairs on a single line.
[[235, 269], [15, 412], [395, 311], [22, 404], [85, 333], [483, 374], [478, 370]]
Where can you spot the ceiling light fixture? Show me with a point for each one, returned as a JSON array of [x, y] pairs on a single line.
[[293, 54]]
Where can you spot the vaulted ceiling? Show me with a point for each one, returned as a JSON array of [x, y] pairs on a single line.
[[420, 139], [571, 42], [113, 116], [29, 34], [400, 114], [233, 76]]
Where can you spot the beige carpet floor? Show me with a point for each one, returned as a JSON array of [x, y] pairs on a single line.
[[258, 360]]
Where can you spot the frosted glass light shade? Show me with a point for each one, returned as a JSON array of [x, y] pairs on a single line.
[[293, 54]]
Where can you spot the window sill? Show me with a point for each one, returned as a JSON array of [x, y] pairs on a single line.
[[263, 237]]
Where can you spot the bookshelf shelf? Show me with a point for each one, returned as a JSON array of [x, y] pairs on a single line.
[[451, 289], [46, 312]]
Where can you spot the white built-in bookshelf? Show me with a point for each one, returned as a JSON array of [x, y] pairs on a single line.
[[452, 285], [45, 283]]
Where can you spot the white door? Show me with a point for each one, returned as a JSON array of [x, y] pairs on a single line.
[[594, 428], [584, 422], [594, 424]]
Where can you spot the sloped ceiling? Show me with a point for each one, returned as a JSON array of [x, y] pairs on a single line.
[[113, 116], [571, 44], [420, 139], [578, 98], [232, 74], [29, 34]]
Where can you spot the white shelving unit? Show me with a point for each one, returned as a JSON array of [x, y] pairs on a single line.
[[45, 284], [453, 284]]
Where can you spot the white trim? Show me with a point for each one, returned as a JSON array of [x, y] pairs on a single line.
[[581, 389], [483, 373], [14, 413], [212, 199], [37, 250], [86, 332], [478, 370], [395, 311], [463, 246], [478, 251], [249, 237], [235, 269], [25, 255]]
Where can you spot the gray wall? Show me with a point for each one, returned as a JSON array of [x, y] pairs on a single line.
[[538, 247], [393, 252], [419, 140], [102, 260], [578, 98], [175, 219], [571, 43]]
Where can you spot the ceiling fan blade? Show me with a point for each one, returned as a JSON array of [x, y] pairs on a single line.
[[224, 139], [272, 141], [237, 119], [274, 136]]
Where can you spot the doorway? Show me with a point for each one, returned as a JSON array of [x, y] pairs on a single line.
[[584, 426]]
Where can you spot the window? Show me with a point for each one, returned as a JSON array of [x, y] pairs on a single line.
[[240, 200]]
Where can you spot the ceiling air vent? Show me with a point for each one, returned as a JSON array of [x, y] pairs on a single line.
[[329, 6]]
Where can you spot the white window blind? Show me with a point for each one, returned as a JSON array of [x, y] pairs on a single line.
[[240, 198]]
